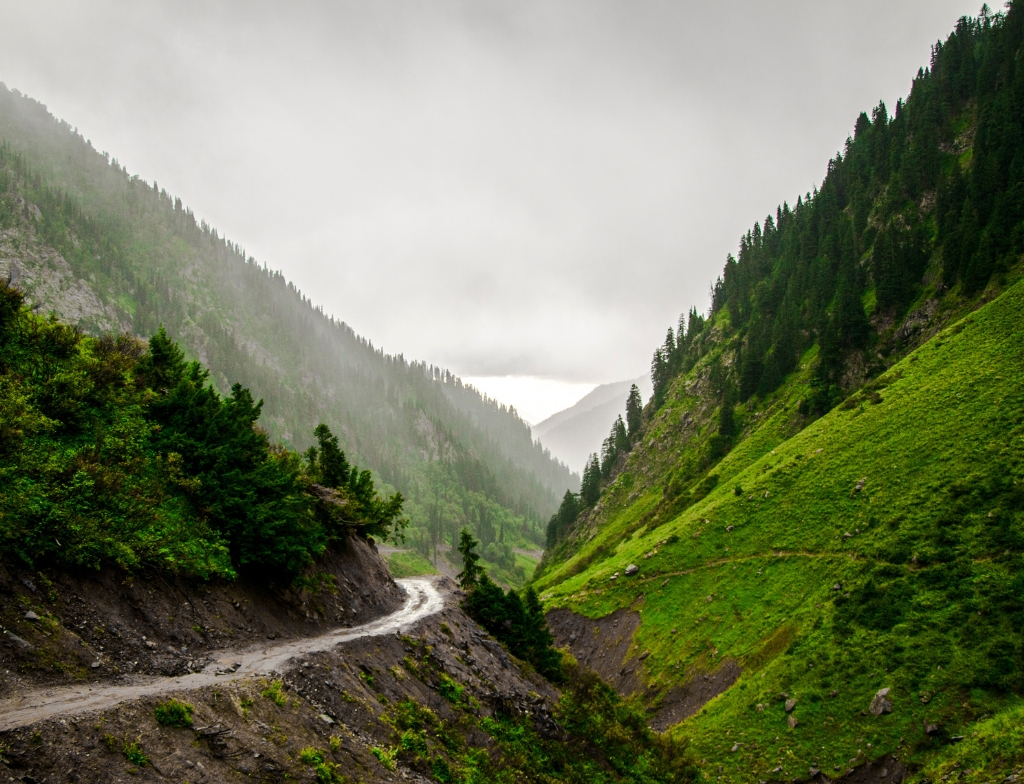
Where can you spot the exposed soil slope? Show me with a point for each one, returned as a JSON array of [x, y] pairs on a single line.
[[347, 705], [93, 626]]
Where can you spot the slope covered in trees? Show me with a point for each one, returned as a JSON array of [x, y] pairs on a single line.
[[823, 499], [118, 453], [107, 250]]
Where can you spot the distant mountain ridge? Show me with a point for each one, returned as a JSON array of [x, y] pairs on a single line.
[[574, 433], [108, 251]]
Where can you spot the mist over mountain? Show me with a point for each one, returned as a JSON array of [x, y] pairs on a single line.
[[575, 433], [107, 251]]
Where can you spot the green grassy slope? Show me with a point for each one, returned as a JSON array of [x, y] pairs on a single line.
[[914, 582]]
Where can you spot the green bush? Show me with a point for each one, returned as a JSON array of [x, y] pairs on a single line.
[[174, 713]]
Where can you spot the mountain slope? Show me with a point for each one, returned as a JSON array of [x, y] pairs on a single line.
[[825, 497], [914, 581], [575, 433], [107, 250]]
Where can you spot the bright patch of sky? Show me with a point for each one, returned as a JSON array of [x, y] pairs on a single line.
[[535, 399]]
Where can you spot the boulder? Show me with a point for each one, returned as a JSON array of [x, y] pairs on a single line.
[[790, 704], [31, 616], [880, 703], [792, 722], [631, 570]]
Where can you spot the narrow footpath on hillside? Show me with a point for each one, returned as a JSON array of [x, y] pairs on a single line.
[[423, 599]]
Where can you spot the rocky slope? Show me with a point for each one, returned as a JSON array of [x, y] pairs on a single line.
[[379, 709], [62, 628]]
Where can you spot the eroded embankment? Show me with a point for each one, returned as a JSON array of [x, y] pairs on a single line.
[[346, 705], [605, 645], [91, 627]]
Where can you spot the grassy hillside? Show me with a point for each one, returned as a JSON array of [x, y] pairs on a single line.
[[829, 593], [825, 495], [108, 251]]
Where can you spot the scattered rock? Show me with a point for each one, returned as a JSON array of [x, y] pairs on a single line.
[[325, 718], [18, 641], [95, 665], [729, 527], [880, 704], [834, 693], [847, 535], [631, 570], [790, 704], [29, 584], [31, 616], [837, 587], [760, 707], [614, 577], [815, 772], [735, 747], [150, 644], [792, 722], [858, 487], [644, 655], [930, 729]]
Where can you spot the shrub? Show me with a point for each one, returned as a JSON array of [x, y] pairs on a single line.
[[386, 757], [174, 713], [134, 754], [274, 693]]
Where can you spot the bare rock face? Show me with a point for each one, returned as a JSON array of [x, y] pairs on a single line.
[[880, 703]]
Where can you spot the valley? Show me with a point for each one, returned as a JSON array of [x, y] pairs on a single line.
[[240, 541]]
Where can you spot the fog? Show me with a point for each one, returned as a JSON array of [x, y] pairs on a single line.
[[509, 189]]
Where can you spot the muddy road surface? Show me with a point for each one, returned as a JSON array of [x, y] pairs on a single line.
[[422, 600]]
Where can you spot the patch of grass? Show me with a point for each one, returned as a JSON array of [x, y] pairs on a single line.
[[133, 752], [388, 757], [450, 689], [274, 692], [175, 713], [409, 563]]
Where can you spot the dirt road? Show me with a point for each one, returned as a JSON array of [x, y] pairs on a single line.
[[423, 599]]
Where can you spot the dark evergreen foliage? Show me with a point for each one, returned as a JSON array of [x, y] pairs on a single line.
[[561, 520], [516, 620], [939, 181], [634, 413], [115, 452]]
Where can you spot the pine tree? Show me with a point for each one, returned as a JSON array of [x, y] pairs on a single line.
[[469, 577], [590, 487], [634, 413]]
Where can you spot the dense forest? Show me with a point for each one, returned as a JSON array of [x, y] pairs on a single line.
[[923, 200], [118, 452], [458, 457]]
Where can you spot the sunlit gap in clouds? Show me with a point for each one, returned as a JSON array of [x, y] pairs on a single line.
[[535, 399]]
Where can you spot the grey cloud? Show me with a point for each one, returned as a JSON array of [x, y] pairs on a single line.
[[533, 188]]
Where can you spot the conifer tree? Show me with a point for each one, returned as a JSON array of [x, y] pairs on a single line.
[[590, 487], [634, 413], [469, 577]]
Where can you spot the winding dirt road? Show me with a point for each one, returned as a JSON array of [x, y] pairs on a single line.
[[228, 665]]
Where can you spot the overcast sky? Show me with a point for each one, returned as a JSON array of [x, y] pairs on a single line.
[[509, 189]]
